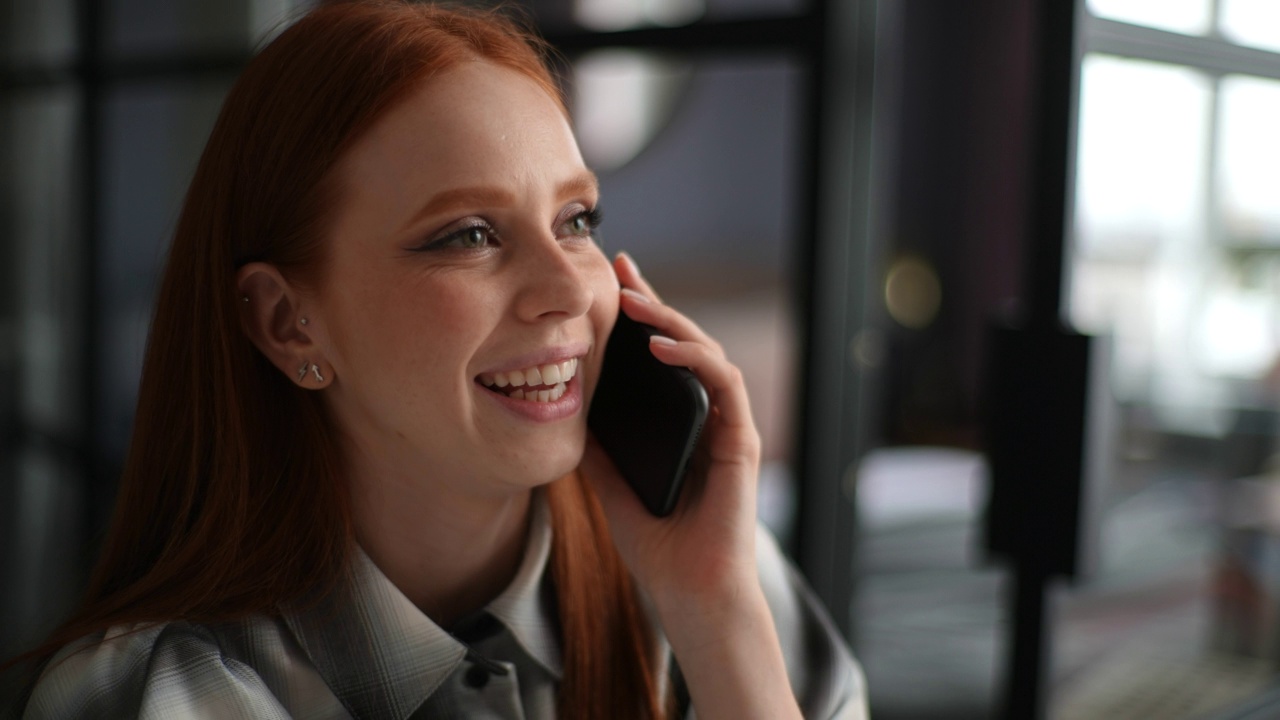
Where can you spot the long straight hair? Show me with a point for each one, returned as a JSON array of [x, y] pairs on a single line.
[[233, 500]]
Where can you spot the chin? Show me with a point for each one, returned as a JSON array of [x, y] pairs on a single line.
[[555, 463]]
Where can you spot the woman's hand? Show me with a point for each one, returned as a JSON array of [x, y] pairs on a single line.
[[703, 555], [698, 566]]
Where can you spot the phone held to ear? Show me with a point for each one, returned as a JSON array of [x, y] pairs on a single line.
[[647, 416]]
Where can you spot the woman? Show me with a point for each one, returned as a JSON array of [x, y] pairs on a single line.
[[361, 482]]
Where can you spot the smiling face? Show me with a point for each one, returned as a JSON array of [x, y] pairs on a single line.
[[465, 306]]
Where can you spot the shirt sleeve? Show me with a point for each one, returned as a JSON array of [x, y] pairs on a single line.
[[169, 671], [827, 680]]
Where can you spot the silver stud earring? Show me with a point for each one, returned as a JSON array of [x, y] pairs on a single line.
[[315, 370], [245, 298], [303, 321], [302, 372]]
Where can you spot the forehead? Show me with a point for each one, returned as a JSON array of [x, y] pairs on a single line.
[[474, 123]]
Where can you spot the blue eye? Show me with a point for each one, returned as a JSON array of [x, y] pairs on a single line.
[[582, 225], [472, 237]]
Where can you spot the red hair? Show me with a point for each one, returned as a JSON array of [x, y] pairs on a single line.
[[233, 501]]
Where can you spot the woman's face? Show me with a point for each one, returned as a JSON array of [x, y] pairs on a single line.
[[462, 258]]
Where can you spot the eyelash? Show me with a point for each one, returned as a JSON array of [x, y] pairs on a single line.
[[450, 240], [593, 217]]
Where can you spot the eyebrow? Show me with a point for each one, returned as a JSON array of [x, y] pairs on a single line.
[[455, 199]]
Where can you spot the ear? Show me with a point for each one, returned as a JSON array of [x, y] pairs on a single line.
[[273, 319]]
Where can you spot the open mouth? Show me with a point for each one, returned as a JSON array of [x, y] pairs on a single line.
[[538, 383]]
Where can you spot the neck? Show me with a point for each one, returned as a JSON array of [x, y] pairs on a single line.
[[448, 551]]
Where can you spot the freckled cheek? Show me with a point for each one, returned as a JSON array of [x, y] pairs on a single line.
[[450, 323], [604, 313], [605, 289], [410, 328], [597, 273]]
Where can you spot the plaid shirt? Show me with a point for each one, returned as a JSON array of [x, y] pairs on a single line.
[[367, 652]]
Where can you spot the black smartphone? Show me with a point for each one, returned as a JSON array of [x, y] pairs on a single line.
[[647, 415]]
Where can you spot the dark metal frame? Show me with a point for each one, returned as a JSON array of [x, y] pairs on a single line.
[[1210, 53]]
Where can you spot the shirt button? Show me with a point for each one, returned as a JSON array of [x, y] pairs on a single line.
[[476, 677]]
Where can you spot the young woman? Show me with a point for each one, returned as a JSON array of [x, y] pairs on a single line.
[[361, 482]]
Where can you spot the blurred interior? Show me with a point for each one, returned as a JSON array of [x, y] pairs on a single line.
[[838, 191]]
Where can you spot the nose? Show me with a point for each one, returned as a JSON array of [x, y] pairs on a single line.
[[552, 281]]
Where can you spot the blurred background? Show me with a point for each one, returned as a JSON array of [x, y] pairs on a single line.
[[839, 190]]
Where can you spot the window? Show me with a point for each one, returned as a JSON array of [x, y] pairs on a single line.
[[1176, 256], [1178, 204]]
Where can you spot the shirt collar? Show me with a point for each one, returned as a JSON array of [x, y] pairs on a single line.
[[383, 657], [375, 650], [527, 607]]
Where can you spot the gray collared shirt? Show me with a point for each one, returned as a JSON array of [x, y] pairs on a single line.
[[367, 652]]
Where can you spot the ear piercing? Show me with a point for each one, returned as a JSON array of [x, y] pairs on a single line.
[[244, 298], [303, 321], [314, 369]]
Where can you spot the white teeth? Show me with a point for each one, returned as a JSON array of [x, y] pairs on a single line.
[[555, 374], [551, 395], [550, 374]]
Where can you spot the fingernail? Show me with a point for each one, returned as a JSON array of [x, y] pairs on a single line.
[[639, 297], [631, 264], [661, 340]]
